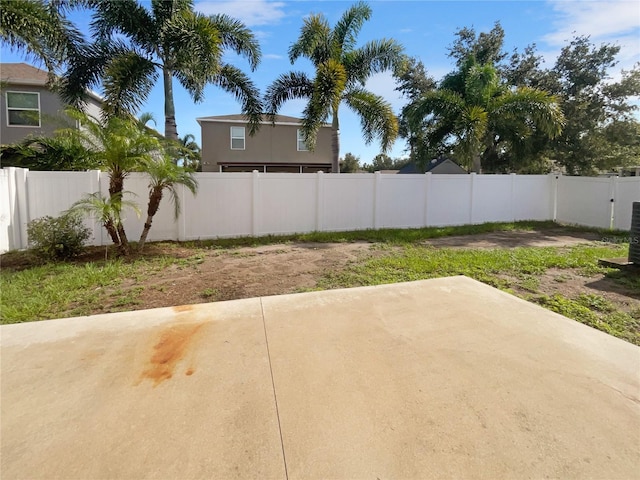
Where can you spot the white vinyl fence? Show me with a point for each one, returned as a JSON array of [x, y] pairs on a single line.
[[243, 204]]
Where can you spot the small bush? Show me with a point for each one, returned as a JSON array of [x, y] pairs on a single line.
[[58, 238]]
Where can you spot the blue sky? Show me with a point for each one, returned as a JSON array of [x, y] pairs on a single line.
[[424, 28]]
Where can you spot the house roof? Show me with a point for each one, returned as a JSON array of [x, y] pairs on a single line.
[[23, 74], [436, 162], [412, 167], [409, 168], [239, 118]]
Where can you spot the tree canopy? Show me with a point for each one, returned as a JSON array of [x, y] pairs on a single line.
[[475, 115], [39, 29], [134, 46], [341, 71]]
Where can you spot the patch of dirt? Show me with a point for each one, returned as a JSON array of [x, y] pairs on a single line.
[[519, 238], [571, 284], [249, 272]]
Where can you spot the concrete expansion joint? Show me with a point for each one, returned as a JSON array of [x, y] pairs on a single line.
[[273, 385]]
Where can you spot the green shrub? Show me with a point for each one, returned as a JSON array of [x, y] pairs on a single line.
[[58, 238]]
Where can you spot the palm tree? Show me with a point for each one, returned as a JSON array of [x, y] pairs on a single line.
[[119, 145], [108, 212], [172, 39], [38, 29], [479, 115], [190, 152], [164, 175], [341, 71]]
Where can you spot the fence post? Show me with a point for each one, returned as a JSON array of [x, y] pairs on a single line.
[[427, 192], [613, 195], [513, 178], [377, 178], [254, 202], [22, 206], [319, 199], [94, 187], [554, 179], [14, 212], [182, 216], [472, 197]]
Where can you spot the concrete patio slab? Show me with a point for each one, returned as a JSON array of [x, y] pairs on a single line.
[[443, 378], [449, 378], [171, 393]]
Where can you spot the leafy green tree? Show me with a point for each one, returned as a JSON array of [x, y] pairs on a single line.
[[341, 71], [413, 82], [383, 161], [135, 45], [478, 116], [164, 175], [601, 129], [38, 29], [485, 48], [350, 163]]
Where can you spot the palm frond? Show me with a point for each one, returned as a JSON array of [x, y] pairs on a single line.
[[127, 17], [127, 81], [343, 36], [287, 86], [481, 84], [440, 103], [531, 106], [376, 116], [38, 30], [235, 81], [314, 41], [330, 82], [166, 175], [236, 36], [163, 11], [374, 57], [105, 209], [325, 98], [192, 51]]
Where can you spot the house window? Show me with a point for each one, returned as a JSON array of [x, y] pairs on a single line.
[[302, 146], [23, 109], [237, 138]]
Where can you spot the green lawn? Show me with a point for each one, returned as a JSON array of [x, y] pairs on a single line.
[[31, 291], [516, 271]]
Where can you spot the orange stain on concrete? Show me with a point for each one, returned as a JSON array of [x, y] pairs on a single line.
[[182, 308], [172, 346]]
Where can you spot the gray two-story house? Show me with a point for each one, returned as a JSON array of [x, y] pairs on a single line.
[[29, 107], [276, 147]]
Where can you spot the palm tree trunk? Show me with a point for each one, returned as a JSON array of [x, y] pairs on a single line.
[[155, 196], [111, 230], [117, 233], [124, 242], [116, 183], [170, 127], [335, 144]]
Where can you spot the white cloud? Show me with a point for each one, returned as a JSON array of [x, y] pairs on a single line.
[[604, 21], [615, 21], [250, 12], [273, 56]]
